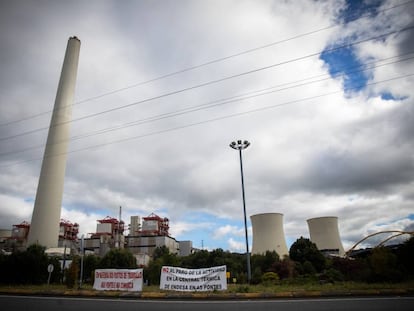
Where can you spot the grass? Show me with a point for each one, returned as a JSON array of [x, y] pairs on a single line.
[[339, 286], [233, 288]]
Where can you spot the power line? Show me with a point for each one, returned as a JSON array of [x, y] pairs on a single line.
[[206, 121], [333, 49], [232, 99], [217, 60]]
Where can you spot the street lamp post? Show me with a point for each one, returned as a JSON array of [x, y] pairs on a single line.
[[240, 145]]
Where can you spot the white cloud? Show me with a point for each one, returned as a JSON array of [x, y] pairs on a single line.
[[224, 231], [308, 158], [14, 210], [236, 246]]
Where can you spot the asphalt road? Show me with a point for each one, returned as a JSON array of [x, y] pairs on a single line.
[[87, 304]]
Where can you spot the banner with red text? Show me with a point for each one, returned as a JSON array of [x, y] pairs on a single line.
[[118, 279], [193, 280]]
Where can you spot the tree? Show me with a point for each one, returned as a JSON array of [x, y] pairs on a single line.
[[161, 257], [197, 260], [303, 250], [383, 265], [56, 275], [29, 266], [90, 264], [160, 251], [152, 272], [72, 273], [37, 272], [352, 269], [262, 263], [405, 256], [118, 259], [285, 268]]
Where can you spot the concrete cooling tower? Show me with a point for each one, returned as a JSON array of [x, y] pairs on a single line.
[[324, 233], [268, 234]]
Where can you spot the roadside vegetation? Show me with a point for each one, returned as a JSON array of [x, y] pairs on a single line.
[[306, 269]]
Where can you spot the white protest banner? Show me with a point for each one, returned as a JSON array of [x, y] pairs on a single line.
[[193, 280], [118, 279]]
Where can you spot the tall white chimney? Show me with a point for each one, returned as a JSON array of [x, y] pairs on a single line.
[[44, 228]]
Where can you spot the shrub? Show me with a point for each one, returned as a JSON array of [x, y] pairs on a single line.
[[72, 274], [270, 278], [332, 275]]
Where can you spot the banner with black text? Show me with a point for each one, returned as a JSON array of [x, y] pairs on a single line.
[[193, 280], [118, 279]]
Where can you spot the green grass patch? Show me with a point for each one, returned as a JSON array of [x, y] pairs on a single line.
[[232, 288]]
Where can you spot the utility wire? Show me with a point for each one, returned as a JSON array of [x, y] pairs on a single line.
[[206, 121], [333, 49], [217, 60], [228, 100]]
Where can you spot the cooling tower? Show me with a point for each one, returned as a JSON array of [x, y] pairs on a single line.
[[324, 233], [268, 234], [44, 229]]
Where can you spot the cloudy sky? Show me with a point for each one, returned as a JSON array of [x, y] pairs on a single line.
[[321, 89]]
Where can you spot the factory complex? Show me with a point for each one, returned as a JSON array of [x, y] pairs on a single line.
[[148, 233], [143, 238]]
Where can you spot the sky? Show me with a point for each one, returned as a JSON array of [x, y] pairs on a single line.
[[321, 89]]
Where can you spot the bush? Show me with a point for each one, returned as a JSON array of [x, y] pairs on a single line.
[[303, 250], [242, 289], [270, 278], [331, 275], [308, 268], [118, 259], [72, 274]]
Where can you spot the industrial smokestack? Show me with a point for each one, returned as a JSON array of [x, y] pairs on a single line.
[[44, 228], [268, 234], [324, 233]]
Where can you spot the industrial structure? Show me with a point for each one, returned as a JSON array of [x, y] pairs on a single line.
[[154, 225], [144, 238], [44, 229], [268, 234], [154, 232], [67, 236], [135, 225], [324, 233], [19, 235], [141, 241], [67, 231], [109, 234]]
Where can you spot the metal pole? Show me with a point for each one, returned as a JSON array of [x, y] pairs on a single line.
[[249, 273], [119, 227], [81, 265], [239, 145], [64, 263]]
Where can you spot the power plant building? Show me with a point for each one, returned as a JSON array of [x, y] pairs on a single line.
[[67, 235], [142, 240], [153, 233], [268, 234], [324, 233]]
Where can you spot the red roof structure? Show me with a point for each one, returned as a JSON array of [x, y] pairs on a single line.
[[155, 225], [116, 226], [70, 230]]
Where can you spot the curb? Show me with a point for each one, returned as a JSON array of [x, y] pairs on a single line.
[[209, 295]]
